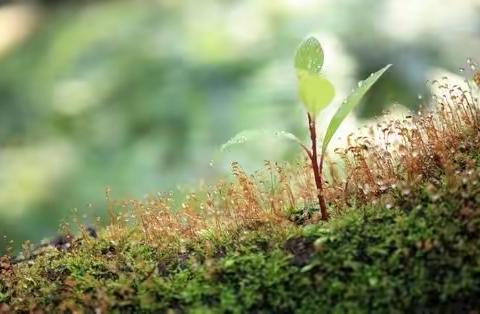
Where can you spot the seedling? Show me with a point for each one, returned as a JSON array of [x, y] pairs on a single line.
[[316, 92]]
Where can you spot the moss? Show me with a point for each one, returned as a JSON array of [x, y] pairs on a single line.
[[421, 255]]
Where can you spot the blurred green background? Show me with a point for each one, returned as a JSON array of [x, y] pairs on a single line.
[[139, 95]]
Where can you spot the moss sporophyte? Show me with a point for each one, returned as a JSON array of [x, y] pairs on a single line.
[[316, 92]]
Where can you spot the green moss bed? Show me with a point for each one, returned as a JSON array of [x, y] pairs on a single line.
[[417, 253]]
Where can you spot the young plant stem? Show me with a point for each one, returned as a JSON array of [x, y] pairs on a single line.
[[317, 170]]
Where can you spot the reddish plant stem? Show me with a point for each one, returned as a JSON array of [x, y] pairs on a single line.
[[315, 166]]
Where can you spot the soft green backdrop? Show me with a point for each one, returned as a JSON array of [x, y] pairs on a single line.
[[139, 95]]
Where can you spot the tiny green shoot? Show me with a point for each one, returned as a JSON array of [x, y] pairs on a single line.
[[316, 92]]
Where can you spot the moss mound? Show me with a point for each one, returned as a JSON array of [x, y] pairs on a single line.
[[420, 253]]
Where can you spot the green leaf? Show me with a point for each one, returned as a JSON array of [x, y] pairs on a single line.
[[315, 91], [309, 267], [249, 135], [309, 56], [349, 103]]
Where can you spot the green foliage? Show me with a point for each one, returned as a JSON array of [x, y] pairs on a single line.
[[249, 135], [315, 91], [309, 57], [348, 104]]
